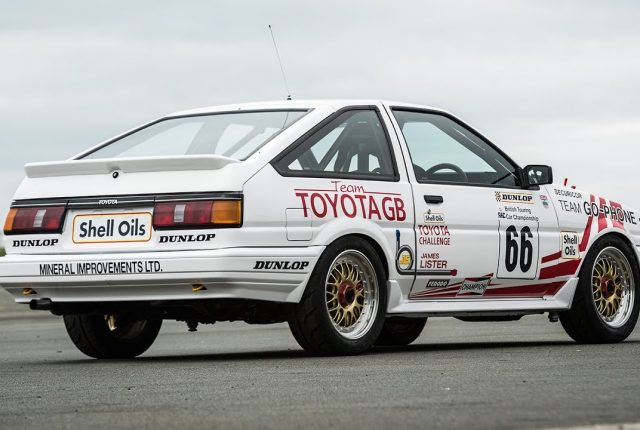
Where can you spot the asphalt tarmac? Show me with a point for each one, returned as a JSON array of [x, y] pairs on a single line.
[[525, 374]]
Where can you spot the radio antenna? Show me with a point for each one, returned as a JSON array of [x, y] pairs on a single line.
[[284, 77]]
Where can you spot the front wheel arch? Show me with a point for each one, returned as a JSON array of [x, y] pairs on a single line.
[[582, 321]]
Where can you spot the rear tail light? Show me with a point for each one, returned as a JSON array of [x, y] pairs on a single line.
[[39, 219], [198, 214]]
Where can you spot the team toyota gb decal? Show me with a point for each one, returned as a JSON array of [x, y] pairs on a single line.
[[351, 201]]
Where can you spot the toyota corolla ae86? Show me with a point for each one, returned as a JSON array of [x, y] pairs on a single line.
[[353, 221]]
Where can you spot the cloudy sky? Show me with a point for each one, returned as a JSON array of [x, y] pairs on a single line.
[[553, 82]]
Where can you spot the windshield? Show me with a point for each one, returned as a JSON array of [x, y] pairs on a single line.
[[235, 135]]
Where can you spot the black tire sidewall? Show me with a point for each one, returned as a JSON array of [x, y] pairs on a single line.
[[400, 331], [318, 295], [600, 328], [91, 336]]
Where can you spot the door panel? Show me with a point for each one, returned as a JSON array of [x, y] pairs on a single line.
[[456, 240], [478, 235]]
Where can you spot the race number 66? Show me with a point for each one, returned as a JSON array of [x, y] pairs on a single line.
[[518, 251]]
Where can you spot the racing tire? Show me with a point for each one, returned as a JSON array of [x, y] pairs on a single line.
[[107, 336], [400, 331], [605, 305], [343, 307]]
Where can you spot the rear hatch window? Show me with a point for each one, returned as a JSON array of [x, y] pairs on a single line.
[[234, 135]]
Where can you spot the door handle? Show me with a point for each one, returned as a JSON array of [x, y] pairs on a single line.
[[433, 199]]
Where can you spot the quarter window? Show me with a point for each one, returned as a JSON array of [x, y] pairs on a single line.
[[444, 151], [353, 144]]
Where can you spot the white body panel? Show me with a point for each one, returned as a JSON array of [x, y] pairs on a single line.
[[457, 247]]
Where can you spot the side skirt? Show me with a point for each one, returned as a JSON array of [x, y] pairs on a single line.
[[561, 301]]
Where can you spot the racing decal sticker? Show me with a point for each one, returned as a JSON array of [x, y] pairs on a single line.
[[404, 259], [112, 227], [516, 213], [601, 209], [22, 243], [569, 246], [280, 265], [612, 211], [446, 290], [436, 235], [514, 198], [545, 200], [473, 287], [433, 260], [433, 218], [607, 215], [562, 192], [351, 201], [492, 290], [519, 250], [430, 263], [100, 268], [182, 238], [437, 283]]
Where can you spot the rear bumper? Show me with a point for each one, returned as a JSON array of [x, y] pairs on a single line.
[[224, 273]]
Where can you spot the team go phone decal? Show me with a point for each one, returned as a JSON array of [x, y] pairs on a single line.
[[609, 214]]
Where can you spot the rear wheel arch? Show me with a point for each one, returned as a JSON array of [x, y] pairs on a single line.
[[377, 247], [313, 322]]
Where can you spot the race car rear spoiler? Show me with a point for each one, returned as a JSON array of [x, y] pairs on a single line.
[[127, 165]]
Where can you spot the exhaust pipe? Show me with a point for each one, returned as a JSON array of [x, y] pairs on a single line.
[[40, 304]]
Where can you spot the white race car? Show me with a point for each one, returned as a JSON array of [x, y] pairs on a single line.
[[353, 221]]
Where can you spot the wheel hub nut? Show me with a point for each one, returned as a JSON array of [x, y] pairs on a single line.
[[346, 294]]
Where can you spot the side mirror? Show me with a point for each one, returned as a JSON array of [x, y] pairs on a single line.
[[537, 174]]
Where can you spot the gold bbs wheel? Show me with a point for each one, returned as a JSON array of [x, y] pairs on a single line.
[[612, 286], [351, 294]]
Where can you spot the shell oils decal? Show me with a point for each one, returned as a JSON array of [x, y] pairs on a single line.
[[351, 201], [569, 245], [433, 218]]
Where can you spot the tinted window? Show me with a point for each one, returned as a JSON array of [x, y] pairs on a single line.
[[352, 144], [444, 151]]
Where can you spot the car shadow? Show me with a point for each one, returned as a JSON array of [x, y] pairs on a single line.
[[300, 354]]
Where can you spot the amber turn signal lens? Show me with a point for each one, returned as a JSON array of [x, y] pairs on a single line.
[[226, 212], [8, 223]]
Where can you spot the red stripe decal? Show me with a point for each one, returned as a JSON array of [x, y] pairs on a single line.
[[587, 231], [616, 222], [535, 290], [602, 220], [583, 245], [551, 257], [565, 268], [539, 290]]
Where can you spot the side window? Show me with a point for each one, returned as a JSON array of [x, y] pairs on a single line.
[[443, 151], [352, 144]]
